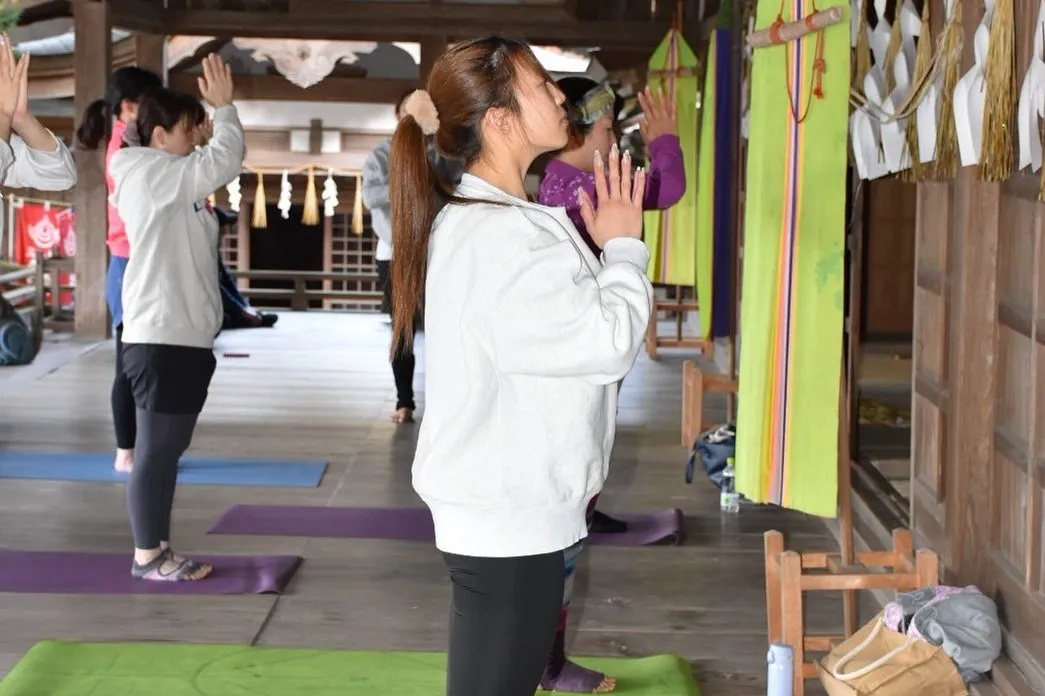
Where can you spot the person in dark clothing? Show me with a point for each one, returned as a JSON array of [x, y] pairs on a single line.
[[236, 310], [376, 198]]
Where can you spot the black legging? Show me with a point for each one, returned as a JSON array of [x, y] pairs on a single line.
[[122, 400], [170, 385], [403, 362], [502, 622]]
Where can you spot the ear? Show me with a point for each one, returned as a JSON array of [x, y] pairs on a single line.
[[159, 137], [499, 119]]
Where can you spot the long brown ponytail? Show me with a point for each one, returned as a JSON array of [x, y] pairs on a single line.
[[467, 81], [413, 195]]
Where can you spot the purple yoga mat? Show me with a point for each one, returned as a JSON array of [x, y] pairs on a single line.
[[408, 524], [70, 572]]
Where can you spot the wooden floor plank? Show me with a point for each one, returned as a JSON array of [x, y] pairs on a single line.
[[318, 385]]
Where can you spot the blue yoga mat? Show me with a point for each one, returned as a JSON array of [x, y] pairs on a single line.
[[204, 471]]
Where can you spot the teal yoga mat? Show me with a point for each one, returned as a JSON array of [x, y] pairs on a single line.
[[203, 471]]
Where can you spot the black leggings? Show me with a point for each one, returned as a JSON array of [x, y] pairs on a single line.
[[403, 362], [170, 385], [502, 622], [162, 439], [122, 400]]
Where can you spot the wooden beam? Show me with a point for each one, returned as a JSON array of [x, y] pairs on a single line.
[[93, 60], [150, 52], [315, 136], [359, 90], [431, 48], [34, 11], [399, 21]]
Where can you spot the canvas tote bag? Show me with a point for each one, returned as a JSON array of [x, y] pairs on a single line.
[[877, 661]]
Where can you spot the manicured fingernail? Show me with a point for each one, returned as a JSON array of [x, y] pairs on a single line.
[[598, 156], [580, 195], [627, 156], [613, 150]]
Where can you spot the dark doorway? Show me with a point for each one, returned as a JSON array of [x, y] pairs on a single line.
[[286, 245]]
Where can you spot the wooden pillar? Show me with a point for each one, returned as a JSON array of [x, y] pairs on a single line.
[[150, 52], [93, 59], [246, 211], [431, 48], [328, 258], [970, 478], [315, 136]]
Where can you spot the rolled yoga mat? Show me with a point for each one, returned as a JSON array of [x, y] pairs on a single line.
[[171, 669], [202, 471], [407, 524], [68, 572]]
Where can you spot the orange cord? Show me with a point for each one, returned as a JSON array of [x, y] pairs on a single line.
[[816, 85]]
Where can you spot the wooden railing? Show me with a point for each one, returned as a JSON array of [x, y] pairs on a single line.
[[36, 291], [301, 294], [27, 289]]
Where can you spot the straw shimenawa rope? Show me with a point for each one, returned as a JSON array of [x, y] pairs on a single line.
[[357, 208], [999, 145], [261, 220], [310, 216], [950, 62], [922, 63], [893, 48], [863, 49]]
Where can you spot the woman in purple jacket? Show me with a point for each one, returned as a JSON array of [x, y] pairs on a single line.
[[593, 108]]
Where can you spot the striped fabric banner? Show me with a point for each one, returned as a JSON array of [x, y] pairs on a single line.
[[727, 123], [671, 235], [793, 284]]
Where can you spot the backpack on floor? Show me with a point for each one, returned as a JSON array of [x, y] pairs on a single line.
[[18, 344], [712, 451]]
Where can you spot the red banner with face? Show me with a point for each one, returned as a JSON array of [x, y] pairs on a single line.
[[48, 229]]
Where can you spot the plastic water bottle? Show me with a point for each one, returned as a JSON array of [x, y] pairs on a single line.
[[780, 674], [729, 499]]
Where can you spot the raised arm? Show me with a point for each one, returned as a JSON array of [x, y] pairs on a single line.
[[221, 160], [34, 158], [215, 164], [550, 318], [667, 172]]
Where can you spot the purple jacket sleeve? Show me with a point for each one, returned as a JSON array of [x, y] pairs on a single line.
[[665, 181]]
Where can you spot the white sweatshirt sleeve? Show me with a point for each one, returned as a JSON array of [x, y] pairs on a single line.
[[551, 318], [23, 167], [210, 167]]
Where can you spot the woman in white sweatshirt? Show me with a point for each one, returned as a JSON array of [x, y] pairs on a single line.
[[171, 301], [526, 335]]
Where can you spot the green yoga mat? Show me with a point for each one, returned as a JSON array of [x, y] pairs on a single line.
[[55, 668]]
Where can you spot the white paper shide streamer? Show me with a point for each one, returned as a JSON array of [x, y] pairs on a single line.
[[970, 95], [329, 194], [880, 140], [235, 195], [284, 196], [1032, 101]]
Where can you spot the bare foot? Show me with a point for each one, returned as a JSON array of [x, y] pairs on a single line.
[[124, 461], [574, 679], [403, 415]]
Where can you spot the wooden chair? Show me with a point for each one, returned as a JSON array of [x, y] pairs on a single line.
[[900, 569], [680, 307], [694, 384]]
